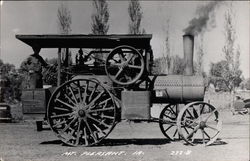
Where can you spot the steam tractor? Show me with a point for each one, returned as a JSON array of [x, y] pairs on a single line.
[[114, 83]]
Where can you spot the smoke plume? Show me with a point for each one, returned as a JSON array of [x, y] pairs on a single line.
[[205, 19]]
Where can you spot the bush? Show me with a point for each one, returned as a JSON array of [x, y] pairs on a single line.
[[12, 90]]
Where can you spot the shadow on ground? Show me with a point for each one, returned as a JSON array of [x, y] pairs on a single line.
[[119, 142], [146, 141], [219, 141]]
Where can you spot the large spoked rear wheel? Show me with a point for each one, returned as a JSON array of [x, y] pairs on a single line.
[[81, 112], [202, 123], [124, 65]]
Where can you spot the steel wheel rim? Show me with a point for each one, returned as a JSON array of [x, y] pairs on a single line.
[[122, 65], [204, 120], [84, 120]]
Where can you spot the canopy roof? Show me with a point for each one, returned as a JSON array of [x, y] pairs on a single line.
[[86, 41]]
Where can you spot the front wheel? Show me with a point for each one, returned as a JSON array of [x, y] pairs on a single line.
[[201, 123], [167, 122]]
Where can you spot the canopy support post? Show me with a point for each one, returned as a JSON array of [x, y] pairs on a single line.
[[59, 67]]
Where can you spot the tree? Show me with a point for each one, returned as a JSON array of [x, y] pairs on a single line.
[[64, 26], [247, 84], [158, 67], [218, 72], [100, 17], [100, 26], [231, 72], [177, 68], [215, 72], [50, 75], [14, 81], [167, 64], [64, 19], [200, 55], [226, 75], [178, 65], [135, 14]]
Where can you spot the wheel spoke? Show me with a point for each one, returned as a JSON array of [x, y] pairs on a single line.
[[85, 136], [59, 123], [190, 114], [105, 101], [78, 131], [115, 64], [120, 53], [199, 113], [79, 91], [93, 91], [118, 73], [168, 128], [203, 136], [93, 136], [108, 117], [130, 58], [70, 100], [61, 115], [103, 133], [168, 117], [209, 115], [79, 87], [193, 136], [202, 108], [134, 66], [98, 121], [206, 134], [210, 127], [190, 120], [186, 129], [101, 110], [71, 91], [175, 133], [195, 113], [69, 136], [85, 92], [71, 122], [173, 112], [194, 131], [96, 98], [62, 109], [64, 103]]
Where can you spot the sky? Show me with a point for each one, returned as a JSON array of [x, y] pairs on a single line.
[[40, 17]]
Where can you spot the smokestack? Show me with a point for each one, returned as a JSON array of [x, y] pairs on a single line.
[[188, 47]]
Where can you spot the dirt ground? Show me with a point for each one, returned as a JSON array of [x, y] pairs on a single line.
[[127, 142]]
